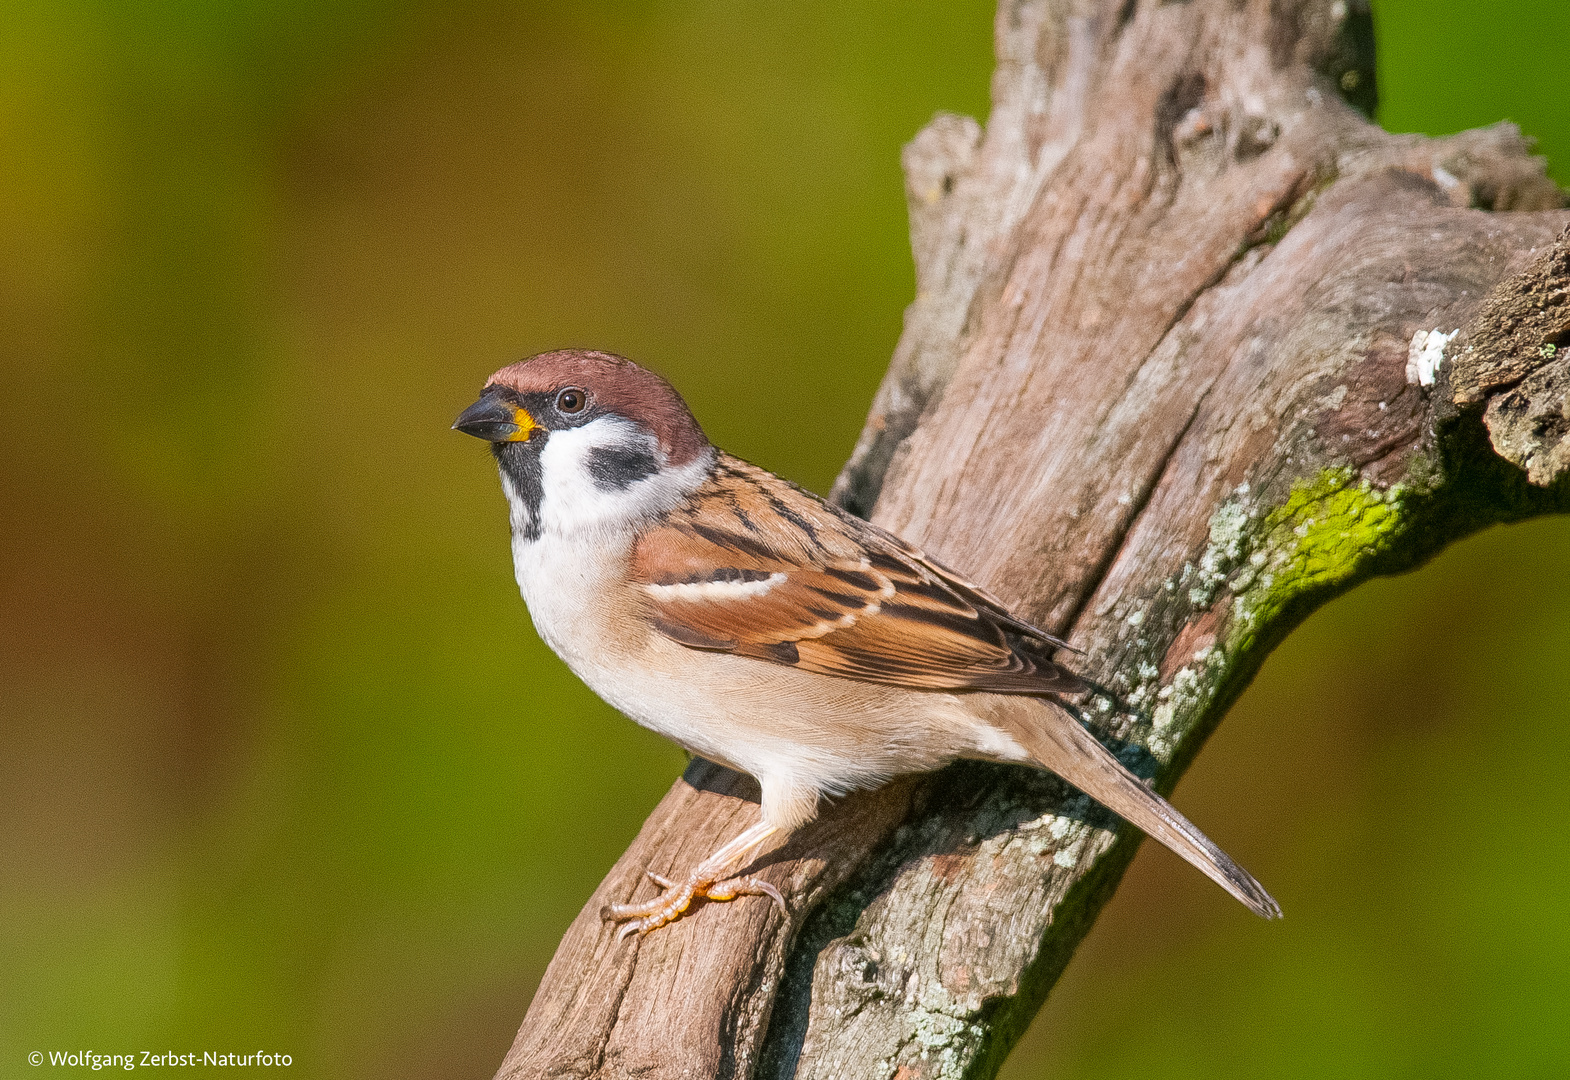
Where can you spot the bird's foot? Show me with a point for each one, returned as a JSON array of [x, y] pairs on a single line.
[[676, 899]]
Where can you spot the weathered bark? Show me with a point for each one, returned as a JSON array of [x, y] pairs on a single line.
[[1178, 371]]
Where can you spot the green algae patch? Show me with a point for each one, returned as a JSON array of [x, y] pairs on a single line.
[[1322, 539], [1277, 564]]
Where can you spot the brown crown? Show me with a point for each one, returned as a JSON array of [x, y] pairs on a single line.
[[619, 386]]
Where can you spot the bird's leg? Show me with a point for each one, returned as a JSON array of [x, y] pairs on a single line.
[[708, 881]]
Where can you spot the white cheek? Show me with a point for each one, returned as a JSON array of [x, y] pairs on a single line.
[[574, 502]]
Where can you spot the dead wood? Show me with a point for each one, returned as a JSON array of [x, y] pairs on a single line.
[[1195, 348]]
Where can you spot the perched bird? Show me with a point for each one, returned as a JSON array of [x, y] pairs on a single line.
[[766, 630]]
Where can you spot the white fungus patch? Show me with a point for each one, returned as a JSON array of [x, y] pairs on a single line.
[[1425, 354]]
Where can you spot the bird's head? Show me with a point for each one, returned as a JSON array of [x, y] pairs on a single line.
[[586, 439]]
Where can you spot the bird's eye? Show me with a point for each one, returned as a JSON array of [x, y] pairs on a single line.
[[571, 400]]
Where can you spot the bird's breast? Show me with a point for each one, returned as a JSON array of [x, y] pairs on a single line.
[[575, 594]]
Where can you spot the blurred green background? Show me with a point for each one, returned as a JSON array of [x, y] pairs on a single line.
[[282, 764]]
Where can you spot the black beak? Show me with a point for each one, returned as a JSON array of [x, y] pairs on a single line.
[[493, 420]]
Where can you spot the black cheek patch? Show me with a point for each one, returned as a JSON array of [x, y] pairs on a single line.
[[616, 468]]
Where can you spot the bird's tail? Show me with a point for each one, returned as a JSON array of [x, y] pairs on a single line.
[[1061, 744]]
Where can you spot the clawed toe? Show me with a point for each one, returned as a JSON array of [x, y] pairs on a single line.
[[634, 927], [674, 901], [745, 886]]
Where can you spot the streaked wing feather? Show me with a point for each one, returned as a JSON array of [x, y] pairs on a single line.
[[757, 567]]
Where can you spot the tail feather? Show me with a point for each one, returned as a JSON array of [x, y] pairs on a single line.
[[1060, 744]]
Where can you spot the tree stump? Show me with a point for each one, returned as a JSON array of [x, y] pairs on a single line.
[[1195, 348]]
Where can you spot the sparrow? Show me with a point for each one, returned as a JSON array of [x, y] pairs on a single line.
[[766, 630]]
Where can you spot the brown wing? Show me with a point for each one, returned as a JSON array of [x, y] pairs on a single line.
[[755, 566]]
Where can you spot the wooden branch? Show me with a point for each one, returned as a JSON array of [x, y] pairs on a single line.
[[1195, 348]]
